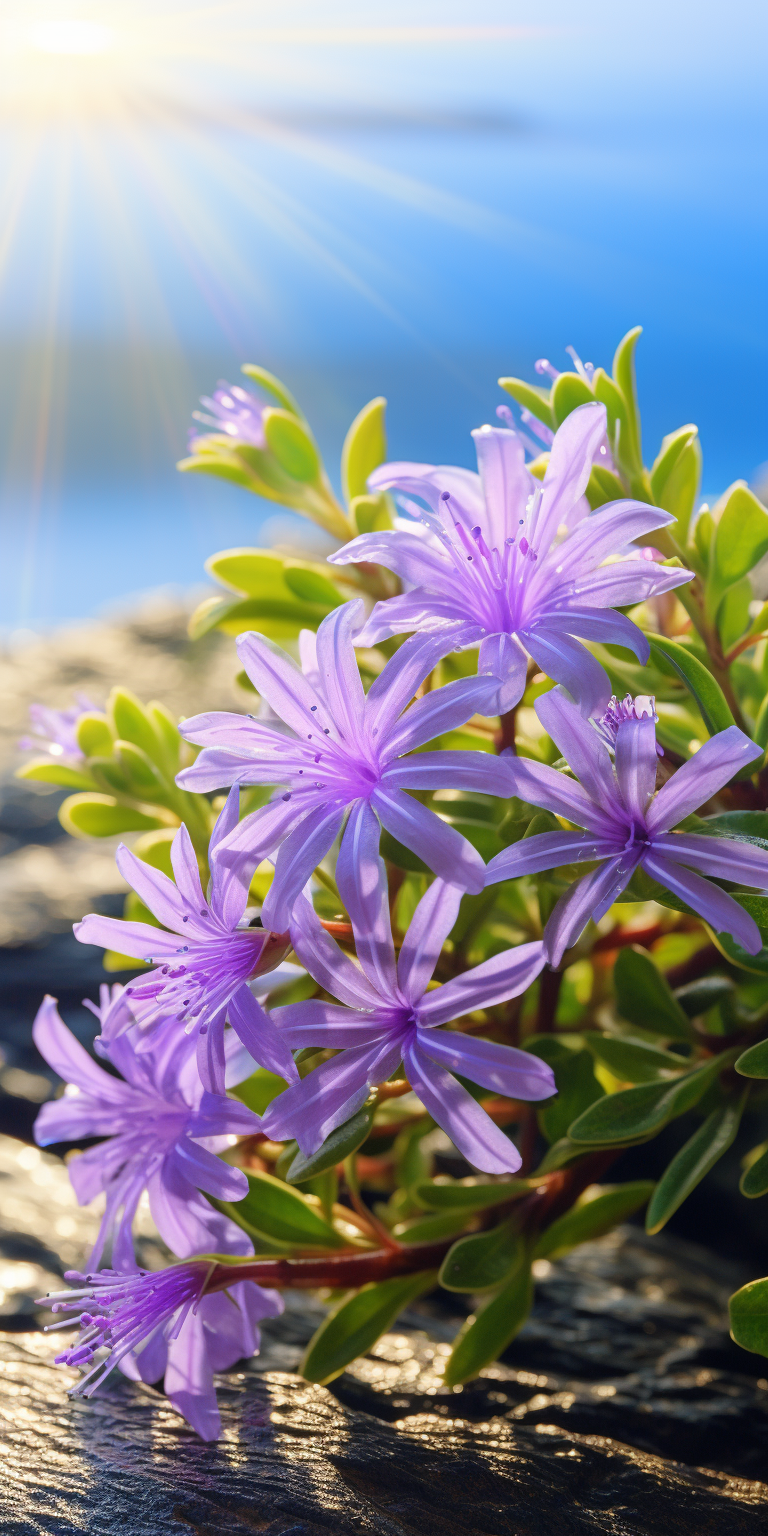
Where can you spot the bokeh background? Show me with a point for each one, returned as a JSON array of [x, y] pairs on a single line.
[[404, 198]]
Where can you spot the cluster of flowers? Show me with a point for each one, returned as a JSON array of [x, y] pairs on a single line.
[[497, 560]]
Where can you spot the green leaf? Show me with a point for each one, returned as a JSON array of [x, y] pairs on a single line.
[[630, 448], [672, 448], [130, 721], [483, 1261], [312, 587], [290, 442], [592, 1218], [102, 816], [606, 392], [757, 907], [143, 779], [250, 571], [635, 1113], [749, 1317], [94, 737], [468, 1194], [259, 1089], [274, 1210], [399, 855], [430, 1229], [370, 514], [603, 486], [46, 770], [278, 618], [532, 398], [353, 1328], [681, 491], [741, 540], [743, 826], [754, 1062], [733, 613], [693, 1161], [632, 1061], [698, 680], [577, 1086], [365, 448], [754, 1180], [644, 997], [155, 849], [697, 997], [340, 1144], [569, 391], [274, 385], [484, 1336]]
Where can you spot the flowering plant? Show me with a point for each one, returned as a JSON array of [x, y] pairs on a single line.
[[465, 903]]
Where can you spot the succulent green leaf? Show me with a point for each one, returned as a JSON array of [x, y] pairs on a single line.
[[741, 539], [259, 1089], [249, 571], [365, 448], [697, 997], [592, 1218], [131, 722], [632, 1061], [644, 997], [483, 1261], [624, 377], [370, 514], [689, 1166], [430, 1229], [274, 385], [278, 1212], [94, 737], [754, 1062], [532, 398], [353, 1328], [698, 680], [340, 1144], [754, 1180], [143, 779], [603, 486], [311, 587], [101, 816], [569, 391], [155, 849], [290, 442], [635, 1113], [485, 1335], [577, 1086], [672, 448], [749, 1317], [468, 1194], [46, 770], [733, 613]]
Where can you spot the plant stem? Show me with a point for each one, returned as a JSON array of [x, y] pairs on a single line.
[[505, 736], [550, 983]]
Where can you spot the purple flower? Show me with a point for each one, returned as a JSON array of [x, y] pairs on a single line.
[[56, 729], [162, 1128], [497, 564], [204, 980], [164, 1324], [235, 411], [627, 825], [389, 1016], [343, 749]]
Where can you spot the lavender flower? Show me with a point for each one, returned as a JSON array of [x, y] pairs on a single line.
[[389, 1016], [343, 749], [164, 1324], [203, 981], [627, 826], [496, 561], [235, 411], [162, 1132], [56, 729]]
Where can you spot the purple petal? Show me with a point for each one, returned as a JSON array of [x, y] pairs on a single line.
[[94, 1170], [207, 1172], [607, 531], [184, 1219], [229, 881], [444, 709], [547, 850], [160, 894], [506, 482], [717, 908], [302, 851], [210, 1055], [429, 481], [502, 656], [260, 1036], [567, 662], [423, 611], [403, 675], [570, 464], [580, 746], [189, 1379], [590, 897], [721, 857], [186, 873], [242, 733], [277, 678], [538, 784], [636, 762], [326, 1097], [409, 555], [58, 1046], [598, 624], [148, 1363], [503, 976], [362, 882], [617, 585], [500, 1068], [428, 930], [217, 768], [329, 1025], [338, 669], [442, 848], [326, 962], [710, 769], [481, 771], [258, 835], [469, 1127]]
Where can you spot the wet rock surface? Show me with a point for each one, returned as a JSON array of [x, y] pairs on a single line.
[[622, 1409]]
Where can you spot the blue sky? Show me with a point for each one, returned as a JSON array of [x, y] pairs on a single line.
[[401, 199]]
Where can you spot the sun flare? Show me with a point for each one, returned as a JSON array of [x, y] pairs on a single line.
[[71, 36]]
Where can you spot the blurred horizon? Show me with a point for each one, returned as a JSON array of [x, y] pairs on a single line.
[[386, 199]]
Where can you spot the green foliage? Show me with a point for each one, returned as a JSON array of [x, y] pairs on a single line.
[[46, 770], [687, 1169], [577, 1086], [485, 1335], [709, 696], [636, 1113], [482, 1262], [468, 1194], [754, 1062], [741, 540], [593, 1216], [749, 1317], [754, 1180], [644, 998], [272, 1210], [632, 1061], [339, 1145], [353, 1328], [91, 815], [365, 448]]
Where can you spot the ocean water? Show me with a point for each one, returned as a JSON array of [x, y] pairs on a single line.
[[398, 200]]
